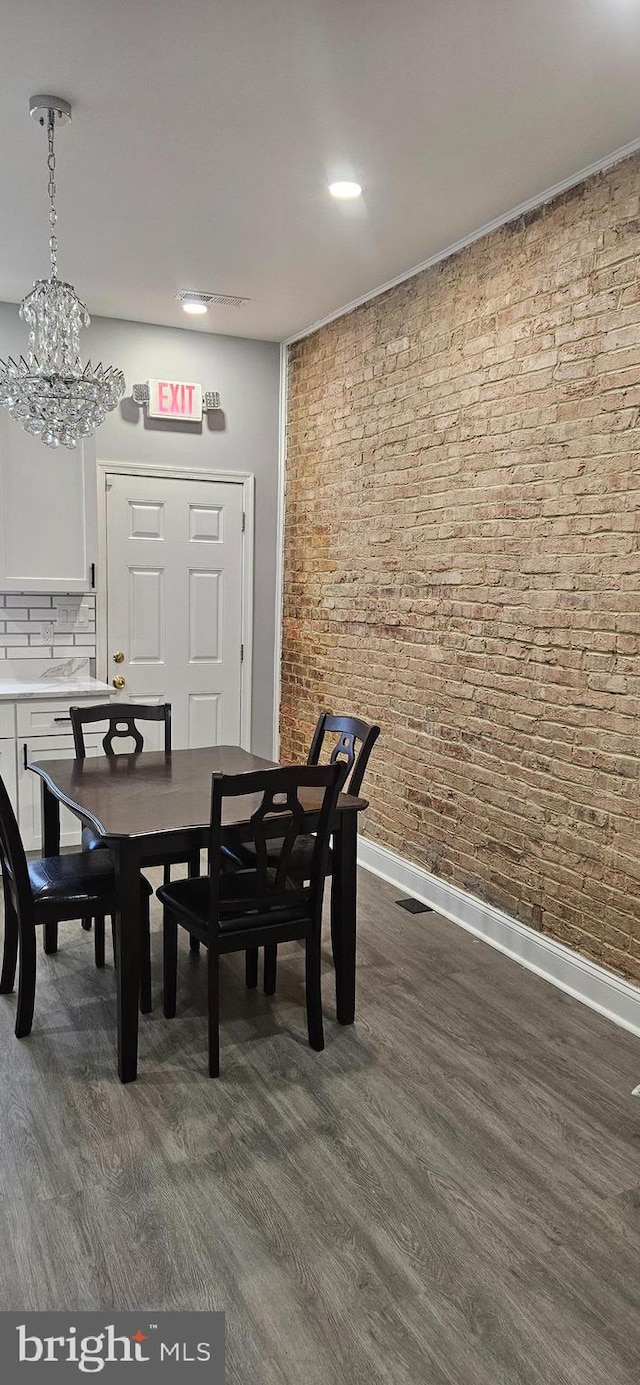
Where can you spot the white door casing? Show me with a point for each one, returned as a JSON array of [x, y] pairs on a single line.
[[176, 593]]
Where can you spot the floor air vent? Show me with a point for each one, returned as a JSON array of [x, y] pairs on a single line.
[[414, 906]]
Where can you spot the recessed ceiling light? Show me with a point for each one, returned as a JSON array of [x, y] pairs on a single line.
[[195, 307], [345, 191]]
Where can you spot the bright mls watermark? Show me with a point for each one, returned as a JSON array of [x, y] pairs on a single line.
[[173, 1347]]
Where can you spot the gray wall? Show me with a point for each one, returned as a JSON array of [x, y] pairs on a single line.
[[242, 437]]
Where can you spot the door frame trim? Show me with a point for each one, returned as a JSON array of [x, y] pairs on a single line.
[[245, 479]]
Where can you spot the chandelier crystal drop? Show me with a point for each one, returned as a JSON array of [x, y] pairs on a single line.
[[50, 393]]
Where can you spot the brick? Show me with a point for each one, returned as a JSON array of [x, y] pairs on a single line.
[[462, 563]]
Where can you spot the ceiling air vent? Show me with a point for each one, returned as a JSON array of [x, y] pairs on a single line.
[[211, 300]]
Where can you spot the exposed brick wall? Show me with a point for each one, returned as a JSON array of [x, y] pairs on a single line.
[[462, 562]]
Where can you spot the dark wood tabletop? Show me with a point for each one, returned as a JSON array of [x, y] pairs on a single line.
[[159, 802], [140, 795]]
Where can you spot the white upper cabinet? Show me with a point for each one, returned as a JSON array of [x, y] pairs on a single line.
[[47, 513]]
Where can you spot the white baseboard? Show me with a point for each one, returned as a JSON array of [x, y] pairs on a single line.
[[612, 997]]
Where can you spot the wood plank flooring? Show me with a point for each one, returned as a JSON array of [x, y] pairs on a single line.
[[448, 1195]]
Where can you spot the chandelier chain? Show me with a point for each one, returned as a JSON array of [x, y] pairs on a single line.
[[53, 215], [48, 392]]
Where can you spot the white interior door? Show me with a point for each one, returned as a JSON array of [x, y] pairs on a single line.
[[174, 600]]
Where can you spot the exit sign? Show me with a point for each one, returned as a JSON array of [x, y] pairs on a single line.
[[174, 399]]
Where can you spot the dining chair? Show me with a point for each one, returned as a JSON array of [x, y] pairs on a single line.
[[53, 889], [351, 750], [122, 724], [232, 911]]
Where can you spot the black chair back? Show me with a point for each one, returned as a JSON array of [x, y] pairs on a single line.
[[122, 719], [285, 796], [352, 733], [15, 876]]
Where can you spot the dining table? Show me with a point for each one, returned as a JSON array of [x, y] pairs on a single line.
[[146, 802]]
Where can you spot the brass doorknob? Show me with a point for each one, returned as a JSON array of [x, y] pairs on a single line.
[[119, 681], [118, 657]]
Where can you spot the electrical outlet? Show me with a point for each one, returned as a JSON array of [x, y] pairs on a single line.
[[46, 631]]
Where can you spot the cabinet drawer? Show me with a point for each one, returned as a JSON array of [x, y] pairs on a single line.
[[48, 718], [7, 719]]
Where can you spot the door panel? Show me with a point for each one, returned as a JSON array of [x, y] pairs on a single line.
[[205, 615], [174, 600], [146, 616], [204, 719], [205, 523]]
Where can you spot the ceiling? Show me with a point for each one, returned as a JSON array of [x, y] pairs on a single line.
[[204, 135]]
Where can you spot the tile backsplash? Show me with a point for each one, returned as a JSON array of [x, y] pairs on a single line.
[[41, 627]]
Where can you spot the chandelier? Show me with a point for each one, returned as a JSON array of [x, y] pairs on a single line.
[[49, 393]]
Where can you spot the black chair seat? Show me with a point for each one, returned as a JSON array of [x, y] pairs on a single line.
[[190, 900], [84, 879]]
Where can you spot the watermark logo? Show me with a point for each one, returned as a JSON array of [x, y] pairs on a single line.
[[176, 1347]]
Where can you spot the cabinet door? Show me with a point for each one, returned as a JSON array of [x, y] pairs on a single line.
[[30, 791], [8, 769], [48, 517]]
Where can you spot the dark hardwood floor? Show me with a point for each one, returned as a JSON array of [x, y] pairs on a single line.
[[448, 1195]]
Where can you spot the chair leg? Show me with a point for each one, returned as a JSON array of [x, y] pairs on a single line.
[[50, 938], [86, 924], [194, 870], [251, 967], [270, 968], [314, 993], [26, 981], [98, 941], [214, 1011], [145, 958], [10, 952], [169, 962]]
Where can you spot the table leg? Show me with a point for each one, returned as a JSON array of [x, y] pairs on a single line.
[[50, 847], [343, 914], [127, 866]]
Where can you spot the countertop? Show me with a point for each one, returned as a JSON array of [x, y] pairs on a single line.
[[20, 689]]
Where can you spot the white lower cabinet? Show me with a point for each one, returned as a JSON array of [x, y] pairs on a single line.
[[40, 729], [30, 787], [8, 769]]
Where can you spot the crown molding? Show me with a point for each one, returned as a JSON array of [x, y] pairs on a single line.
[[600, 166]]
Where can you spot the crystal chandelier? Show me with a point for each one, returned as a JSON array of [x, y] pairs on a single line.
[[49, 393]]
